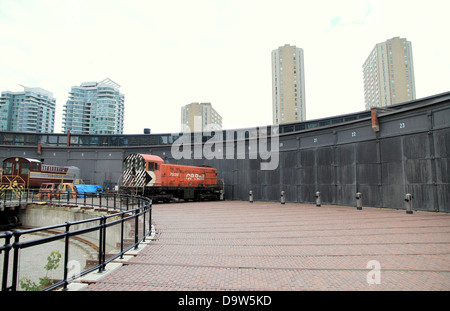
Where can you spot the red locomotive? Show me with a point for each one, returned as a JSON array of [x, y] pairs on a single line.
[[30, 173], [148, 175]]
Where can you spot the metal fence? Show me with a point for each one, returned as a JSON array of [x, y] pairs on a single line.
[[120, 212]]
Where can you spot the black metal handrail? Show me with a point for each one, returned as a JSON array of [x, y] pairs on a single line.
[[128, 208]]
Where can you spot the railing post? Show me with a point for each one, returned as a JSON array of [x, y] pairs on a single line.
[[150, 215], [150, 204], [104, 243], [15, 271], [121, 234], [143, 216], [136, 228], [7, 249], [101, 245], [66, 254]]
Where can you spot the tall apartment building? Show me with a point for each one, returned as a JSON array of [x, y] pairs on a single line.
[[288, 85], [197, 117], [32, 110], [388, 74], [94, 108]]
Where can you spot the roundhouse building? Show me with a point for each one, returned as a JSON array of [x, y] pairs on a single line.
[[384, 154]]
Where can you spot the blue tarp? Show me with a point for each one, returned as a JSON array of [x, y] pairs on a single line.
[[84, 189]]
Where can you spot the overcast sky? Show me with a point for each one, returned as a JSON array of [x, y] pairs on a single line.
[[166, 54]]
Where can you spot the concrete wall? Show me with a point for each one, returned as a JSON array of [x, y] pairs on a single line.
[[410, 154], [36, 215]]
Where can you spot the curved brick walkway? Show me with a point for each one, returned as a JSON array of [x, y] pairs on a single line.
[[234, 245]]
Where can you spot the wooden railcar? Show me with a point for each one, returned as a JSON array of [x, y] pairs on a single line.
[[20, 172]]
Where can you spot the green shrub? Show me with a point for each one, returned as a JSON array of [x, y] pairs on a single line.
[[44, 282]]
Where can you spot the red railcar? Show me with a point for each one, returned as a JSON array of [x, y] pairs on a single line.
[[148, 175], [20, 172]]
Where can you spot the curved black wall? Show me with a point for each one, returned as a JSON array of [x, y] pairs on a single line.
[[409, 154]]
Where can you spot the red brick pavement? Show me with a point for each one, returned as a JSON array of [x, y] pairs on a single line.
[[235, 245]]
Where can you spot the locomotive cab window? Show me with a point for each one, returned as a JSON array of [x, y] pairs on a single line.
[[152, 166], [7, 169], [25, 169], [35, 166]]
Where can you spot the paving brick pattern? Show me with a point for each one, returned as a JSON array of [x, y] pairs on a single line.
[[235, 245]]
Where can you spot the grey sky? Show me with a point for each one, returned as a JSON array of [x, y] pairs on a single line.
[[166, 54]]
